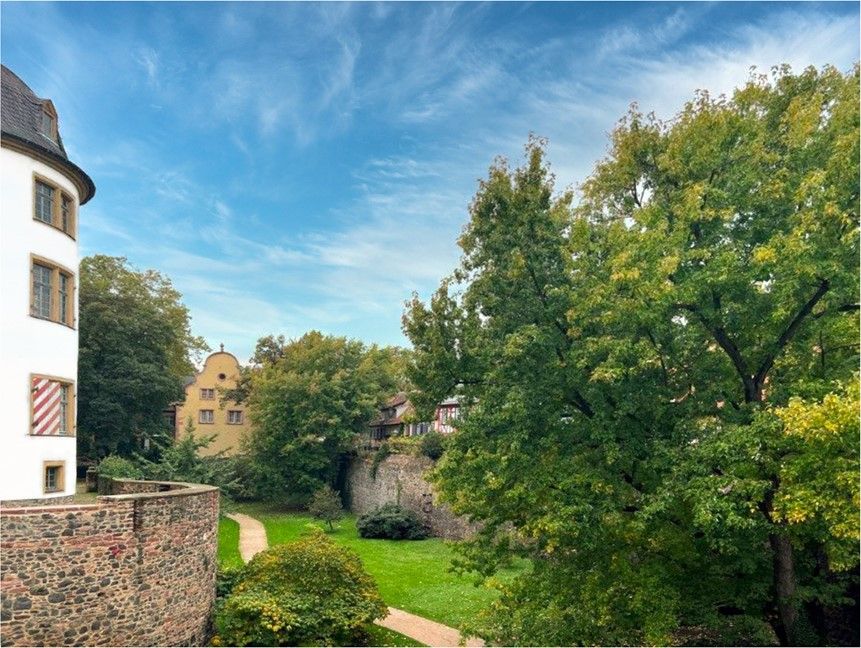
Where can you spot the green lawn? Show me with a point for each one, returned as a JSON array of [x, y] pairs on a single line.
[[385, 637], [412, 574], [228, 543]]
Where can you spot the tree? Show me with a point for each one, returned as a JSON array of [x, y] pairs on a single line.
[[307, 406], [618, 362], [182, 461], [326, 506], [135, 346]]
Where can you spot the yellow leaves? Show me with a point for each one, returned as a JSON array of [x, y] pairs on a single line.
[[629, 274], [624, 268], [802, 119], [819, 479], [669, 264], [763, 255], [823, 421]]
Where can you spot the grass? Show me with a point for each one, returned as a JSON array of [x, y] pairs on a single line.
[[228, 543], [411, 574], [81, 495], [384, 637]]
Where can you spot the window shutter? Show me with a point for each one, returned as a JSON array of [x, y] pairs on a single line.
[[45, 398]]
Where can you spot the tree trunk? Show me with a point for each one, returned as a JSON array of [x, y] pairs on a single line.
[[784, 588]]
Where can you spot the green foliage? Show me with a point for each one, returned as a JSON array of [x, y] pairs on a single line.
[[310, 592], [226, 579], [135, 347], [403, 445], [380, 456], [391, 521], [182, 461], [628, 368], [308, 402], [120, 467], [325, 505], [422, 582], [432, 445]]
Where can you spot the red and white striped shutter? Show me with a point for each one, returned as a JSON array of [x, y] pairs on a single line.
[[46, 406]]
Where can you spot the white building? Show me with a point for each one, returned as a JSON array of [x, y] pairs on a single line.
[[40, 192]]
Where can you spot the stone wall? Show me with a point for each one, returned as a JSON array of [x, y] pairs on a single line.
[[134, 569], [400, 478]]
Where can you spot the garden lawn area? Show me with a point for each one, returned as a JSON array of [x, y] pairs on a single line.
[[411, 574], [384, 637], [228, 543]]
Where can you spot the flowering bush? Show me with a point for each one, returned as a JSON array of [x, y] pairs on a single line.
[[307, 593]]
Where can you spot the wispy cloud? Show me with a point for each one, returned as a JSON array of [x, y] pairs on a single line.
[[296, 166]]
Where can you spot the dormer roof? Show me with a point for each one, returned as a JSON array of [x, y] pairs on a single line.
[[21, 119]]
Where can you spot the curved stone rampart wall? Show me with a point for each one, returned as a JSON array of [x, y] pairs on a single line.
[[400, 479], [134, 569]]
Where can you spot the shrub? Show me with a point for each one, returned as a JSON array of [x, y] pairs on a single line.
[[403, 445], [391, 521], [308, 592], [119, 467], [432, 445], [181, 461], [326, 505], [226, 578]]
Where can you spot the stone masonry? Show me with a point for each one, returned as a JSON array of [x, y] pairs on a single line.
[[400, 479], [135, 569]]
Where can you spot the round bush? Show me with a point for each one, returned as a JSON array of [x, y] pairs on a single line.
[[432, 445], [391, 521], [119, 467], [307, 593]]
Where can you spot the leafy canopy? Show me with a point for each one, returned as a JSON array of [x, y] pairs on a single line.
[[135, 347], [325, 505], [308, 401], [628, 367]]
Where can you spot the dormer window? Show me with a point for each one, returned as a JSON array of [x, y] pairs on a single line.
[[48, 127]]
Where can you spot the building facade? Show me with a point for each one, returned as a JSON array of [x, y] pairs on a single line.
[[203, 407], [397, 417], [40, 193]]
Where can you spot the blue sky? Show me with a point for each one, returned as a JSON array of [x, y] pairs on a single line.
[[299, 166]]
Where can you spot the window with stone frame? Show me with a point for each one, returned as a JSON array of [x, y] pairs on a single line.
[[206, 416], [55, 477], [53, 206], [52, 292]]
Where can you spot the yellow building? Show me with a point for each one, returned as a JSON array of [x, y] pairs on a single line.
[[228, 422]]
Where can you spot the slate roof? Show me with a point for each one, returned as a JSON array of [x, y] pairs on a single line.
[[21, 117]]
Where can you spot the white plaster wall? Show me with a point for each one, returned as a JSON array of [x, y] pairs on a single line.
[[29, 345]]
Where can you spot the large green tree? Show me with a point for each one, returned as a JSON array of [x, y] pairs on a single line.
[[623, 364], [135, 347], [308, 398]]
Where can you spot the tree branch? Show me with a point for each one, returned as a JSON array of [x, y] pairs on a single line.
[[728, 345], [790, 331]]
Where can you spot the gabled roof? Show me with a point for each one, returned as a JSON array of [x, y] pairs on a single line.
[[21, 117], [398, 399]]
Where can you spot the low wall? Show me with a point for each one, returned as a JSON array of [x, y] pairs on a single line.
[[400, 478], [134, 569]]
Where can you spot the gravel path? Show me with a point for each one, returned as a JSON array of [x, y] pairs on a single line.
[[252, 539], [424, 630], [252, 535]]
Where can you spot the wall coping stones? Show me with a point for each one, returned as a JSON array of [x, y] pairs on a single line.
[[174, 489]]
